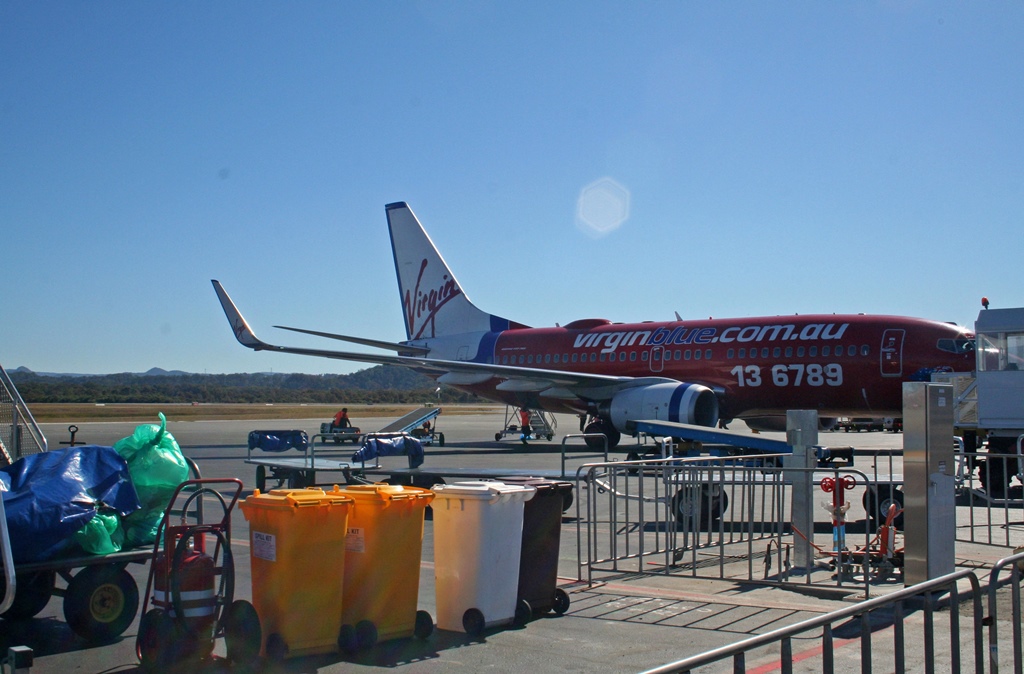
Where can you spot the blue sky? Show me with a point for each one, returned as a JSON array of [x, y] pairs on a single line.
[[779, 158]]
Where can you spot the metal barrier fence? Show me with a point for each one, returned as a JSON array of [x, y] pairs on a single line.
[[1014, 564], [724, 518], [984, 482], [963, 647], [958, 648], [19, 433]]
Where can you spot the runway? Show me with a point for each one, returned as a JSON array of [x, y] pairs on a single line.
[[624, 624]]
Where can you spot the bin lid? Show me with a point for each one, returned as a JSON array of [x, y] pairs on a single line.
[[483, 489], [383, 492], [541, 484], [295, 498]]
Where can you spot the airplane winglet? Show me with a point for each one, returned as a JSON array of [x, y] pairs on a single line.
[[243, 333]]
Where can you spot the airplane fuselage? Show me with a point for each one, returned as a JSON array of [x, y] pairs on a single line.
[[836, 364]]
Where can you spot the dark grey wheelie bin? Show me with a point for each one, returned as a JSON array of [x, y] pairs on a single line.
[[542, 528]]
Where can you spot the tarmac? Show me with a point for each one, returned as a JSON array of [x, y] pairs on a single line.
[[624, 623]]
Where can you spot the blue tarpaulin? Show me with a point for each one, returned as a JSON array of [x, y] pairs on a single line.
[[52, 495], [394, 446], [278, 441]]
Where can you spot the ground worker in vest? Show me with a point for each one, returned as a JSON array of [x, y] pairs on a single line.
[[341, 419], [524, 423]]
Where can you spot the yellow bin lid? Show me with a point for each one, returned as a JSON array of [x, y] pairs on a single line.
[[287, 499], [383, 492]]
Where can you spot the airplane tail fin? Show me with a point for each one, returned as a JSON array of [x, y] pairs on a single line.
[[433, 302]]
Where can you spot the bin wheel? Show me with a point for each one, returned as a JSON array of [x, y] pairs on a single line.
[[366, 634], [100, 602], [876, 501], [424, 625], [277, 647], [33, 594], [242, 632], [261, 478], [153, 643], [348, 642], [440, 439], [523, 612], [497, 437], [561, 601], [473, 621]]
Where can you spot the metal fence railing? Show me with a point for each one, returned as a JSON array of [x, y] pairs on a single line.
[[943, 636], [985, 483], [724, 518], [938, 625]]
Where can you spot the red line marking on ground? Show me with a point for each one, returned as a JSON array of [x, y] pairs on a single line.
[[800, 657]]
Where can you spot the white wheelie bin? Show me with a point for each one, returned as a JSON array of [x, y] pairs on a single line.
[[478, 527]]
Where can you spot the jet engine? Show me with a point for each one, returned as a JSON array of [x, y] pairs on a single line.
[[682, 402]]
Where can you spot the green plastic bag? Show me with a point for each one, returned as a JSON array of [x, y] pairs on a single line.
[[102, 535], [157, 467]]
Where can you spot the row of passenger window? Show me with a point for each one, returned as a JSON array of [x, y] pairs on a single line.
[[686, 354], [800, 351]]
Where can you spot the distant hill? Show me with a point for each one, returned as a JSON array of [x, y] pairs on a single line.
[[152, 372], [380, 384]]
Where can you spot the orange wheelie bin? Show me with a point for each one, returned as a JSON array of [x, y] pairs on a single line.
[[382, 565], [298, 556]]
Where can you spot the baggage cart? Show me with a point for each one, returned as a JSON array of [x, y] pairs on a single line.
[[100, 596]]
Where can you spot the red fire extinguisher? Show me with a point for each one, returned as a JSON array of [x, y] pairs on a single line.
[[184, 580]]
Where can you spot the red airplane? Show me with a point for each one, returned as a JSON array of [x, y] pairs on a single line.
[[613, 374]]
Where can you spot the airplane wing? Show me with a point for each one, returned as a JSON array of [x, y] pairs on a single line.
[[552, 383], [376, 343]]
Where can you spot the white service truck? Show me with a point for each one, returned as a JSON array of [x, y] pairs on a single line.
[[989, 402]]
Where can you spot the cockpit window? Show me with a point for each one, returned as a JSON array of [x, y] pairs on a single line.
[[958, 346]]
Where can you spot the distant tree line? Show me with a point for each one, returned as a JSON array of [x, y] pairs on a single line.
[[376, 385]]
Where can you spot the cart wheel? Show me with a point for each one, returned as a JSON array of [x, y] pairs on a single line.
[[633, 456], [33, 594], [348, 642], [261, 478], [277, 648], [242, 632], [883, 571], [100, 602], [440, 439], [152, 645], [424, 625], [523, 612], [366, 634], [497, 437], [713, 504], [473, 622], [876, 501], [550, 437], [561, 601], [337, 440]]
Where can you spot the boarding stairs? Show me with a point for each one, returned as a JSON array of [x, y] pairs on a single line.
[[19, 433]]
